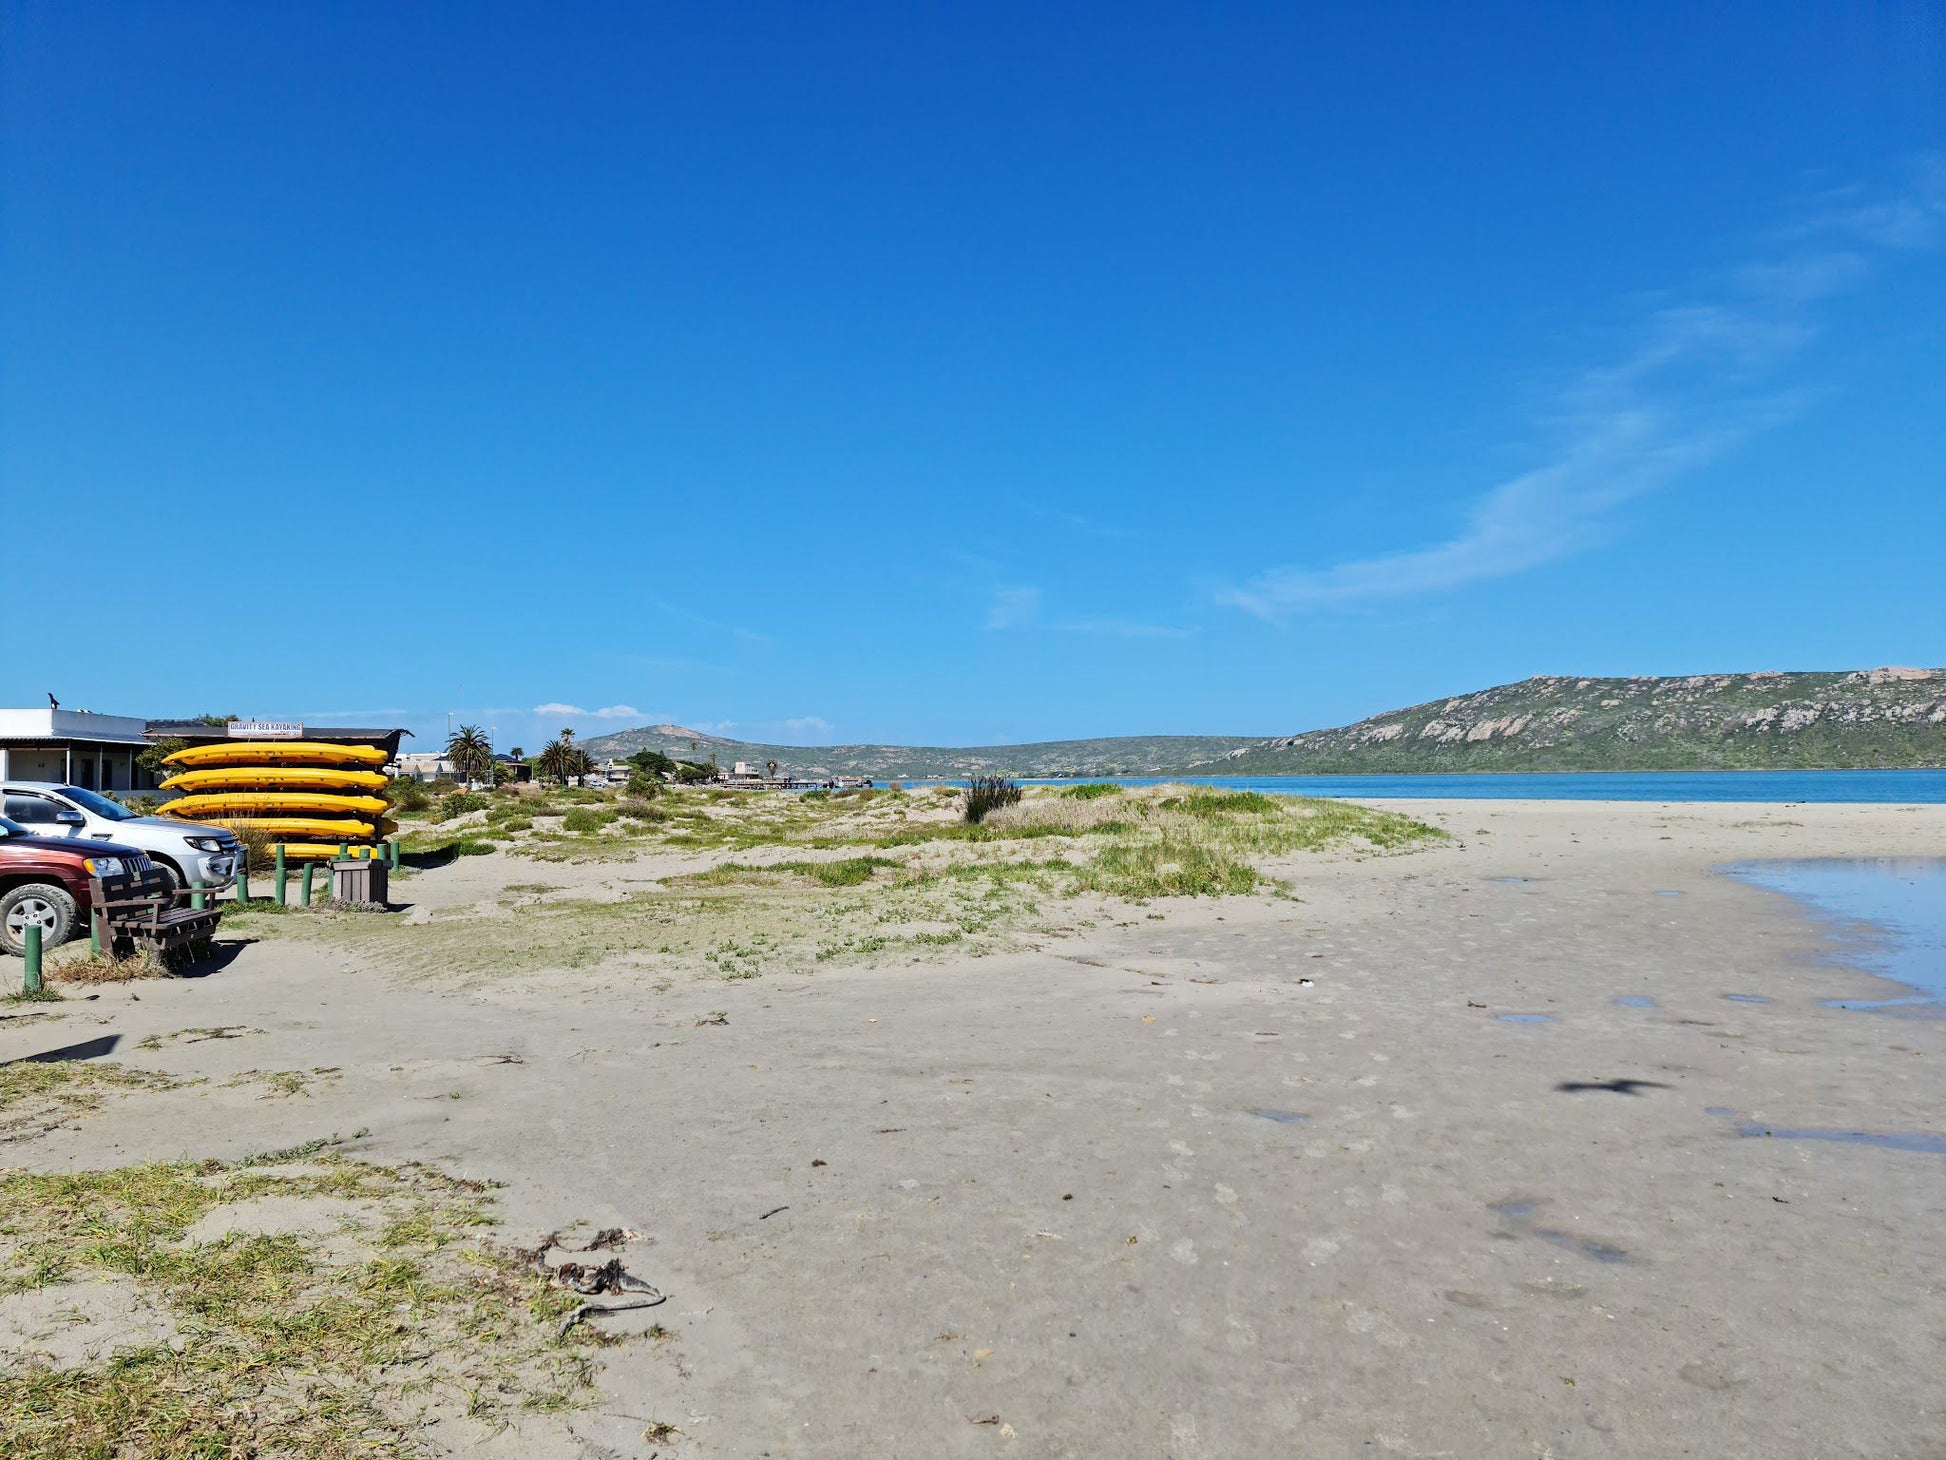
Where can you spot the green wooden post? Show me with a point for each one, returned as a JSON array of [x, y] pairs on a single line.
[[196, 894], [395, 853], [94, 931], [243, 878], [31, 940], [280, 874], [341, 851], [304, 893]]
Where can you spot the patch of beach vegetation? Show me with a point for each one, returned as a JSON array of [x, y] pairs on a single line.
[[77, 963], [733, 920], [37, 1095], [283, 1084], [302, 1305], [800, 881]]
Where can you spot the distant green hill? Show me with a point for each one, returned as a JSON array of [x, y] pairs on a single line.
[[1133, 755], [1869, 718], [1890, 718]]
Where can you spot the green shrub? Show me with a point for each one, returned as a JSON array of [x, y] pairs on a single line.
[[651, 763], [1213, 804], [406, 794], [989, 793], [459, 804], [587, 818], [638, 809], [1092, 791], [472, 846], [1168, 866], [848, 873], [643, 786]]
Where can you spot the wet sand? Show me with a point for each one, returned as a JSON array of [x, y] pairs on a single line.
[[1259, 1178]]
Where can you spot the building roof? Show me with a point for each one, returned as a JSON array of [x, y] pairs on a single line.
[[50, 724]]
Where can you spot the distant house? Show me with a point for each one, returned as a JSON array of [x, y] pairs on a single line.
[[424, 765], [75, 748], [434, 765]]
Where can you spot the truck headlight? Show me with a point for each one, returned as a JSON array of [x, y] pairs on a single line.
[[204, 843], [103, 866]]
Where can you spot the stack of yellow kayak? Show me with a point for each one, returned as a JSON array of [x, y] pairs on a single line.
[[311, 795]]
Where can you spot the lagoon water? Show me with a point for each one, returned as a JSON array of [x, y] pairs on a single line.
[[1892, 909], [1778, 787]]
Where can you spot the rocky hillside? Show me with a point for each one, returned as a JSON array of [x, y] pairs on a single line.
[[1135, 755], [1868, 718]]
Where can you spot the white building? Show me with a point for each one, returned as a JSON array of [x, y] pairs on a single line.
[[75, 748]]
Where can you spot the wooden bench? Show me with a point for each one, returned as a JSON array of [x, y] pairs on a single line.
[[150, 909]]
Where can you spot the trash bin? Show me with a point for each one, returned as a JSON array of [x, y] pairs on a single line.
[[360, 880]]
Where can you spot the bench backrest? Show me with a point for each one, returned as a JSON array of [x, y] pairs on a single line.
[[127, 887]]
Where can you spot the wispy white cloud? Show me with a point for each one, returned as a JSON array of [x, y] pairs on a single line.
[[1014, 608], [677, 610], [559, 711], [1697, 378], [807, 725], [1078, 522]]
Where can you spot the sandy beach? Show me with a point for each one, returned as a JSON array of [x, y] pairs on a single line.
[[1445, 1153]]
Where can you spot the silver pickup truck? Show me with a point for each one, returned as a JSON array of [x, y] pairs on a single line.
[[184, 850]]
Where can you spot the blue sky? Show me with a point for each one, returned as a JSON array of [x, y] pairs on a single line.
[[962, 374]]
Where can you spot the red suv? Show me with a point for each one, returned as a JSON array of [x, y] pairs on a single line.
[[44, 880]]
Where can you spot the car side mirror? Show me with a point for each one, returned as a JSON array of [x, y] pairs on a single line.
[[70, 818]]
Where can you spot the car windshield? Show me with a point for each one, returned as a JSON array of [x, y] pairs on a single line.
[[12, 828], [101, 806]]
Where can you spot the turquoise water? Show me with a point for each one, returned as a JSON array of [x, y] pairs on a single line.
[[1900, 787], [1891, 911]]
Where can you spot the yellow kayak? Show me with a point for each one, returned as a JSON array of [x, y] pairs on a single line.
[[275, 752], [272, 803], [299, 851], [253, 778], [277, 827]]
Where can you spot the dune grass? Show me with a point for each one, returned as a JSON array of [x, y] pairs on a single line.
[[289, 1345], [801, 881]]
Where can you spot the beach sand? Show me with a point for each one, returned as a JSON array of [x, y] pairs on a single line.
[[1258, 1177]]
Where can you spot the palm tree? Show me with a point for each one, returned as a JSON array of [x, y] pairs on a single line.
[[552, 762], [770, 770], [470, 752]]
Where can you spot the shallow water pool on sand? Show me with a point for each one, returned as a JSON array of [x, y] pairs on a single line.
[[1891, 912]]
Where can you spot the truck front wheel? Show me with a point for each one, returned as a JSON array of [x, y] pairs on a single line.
[[41, 903]]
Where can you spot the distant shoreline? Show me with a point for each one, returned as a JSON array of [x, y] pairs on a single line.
[[1917, 786]]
